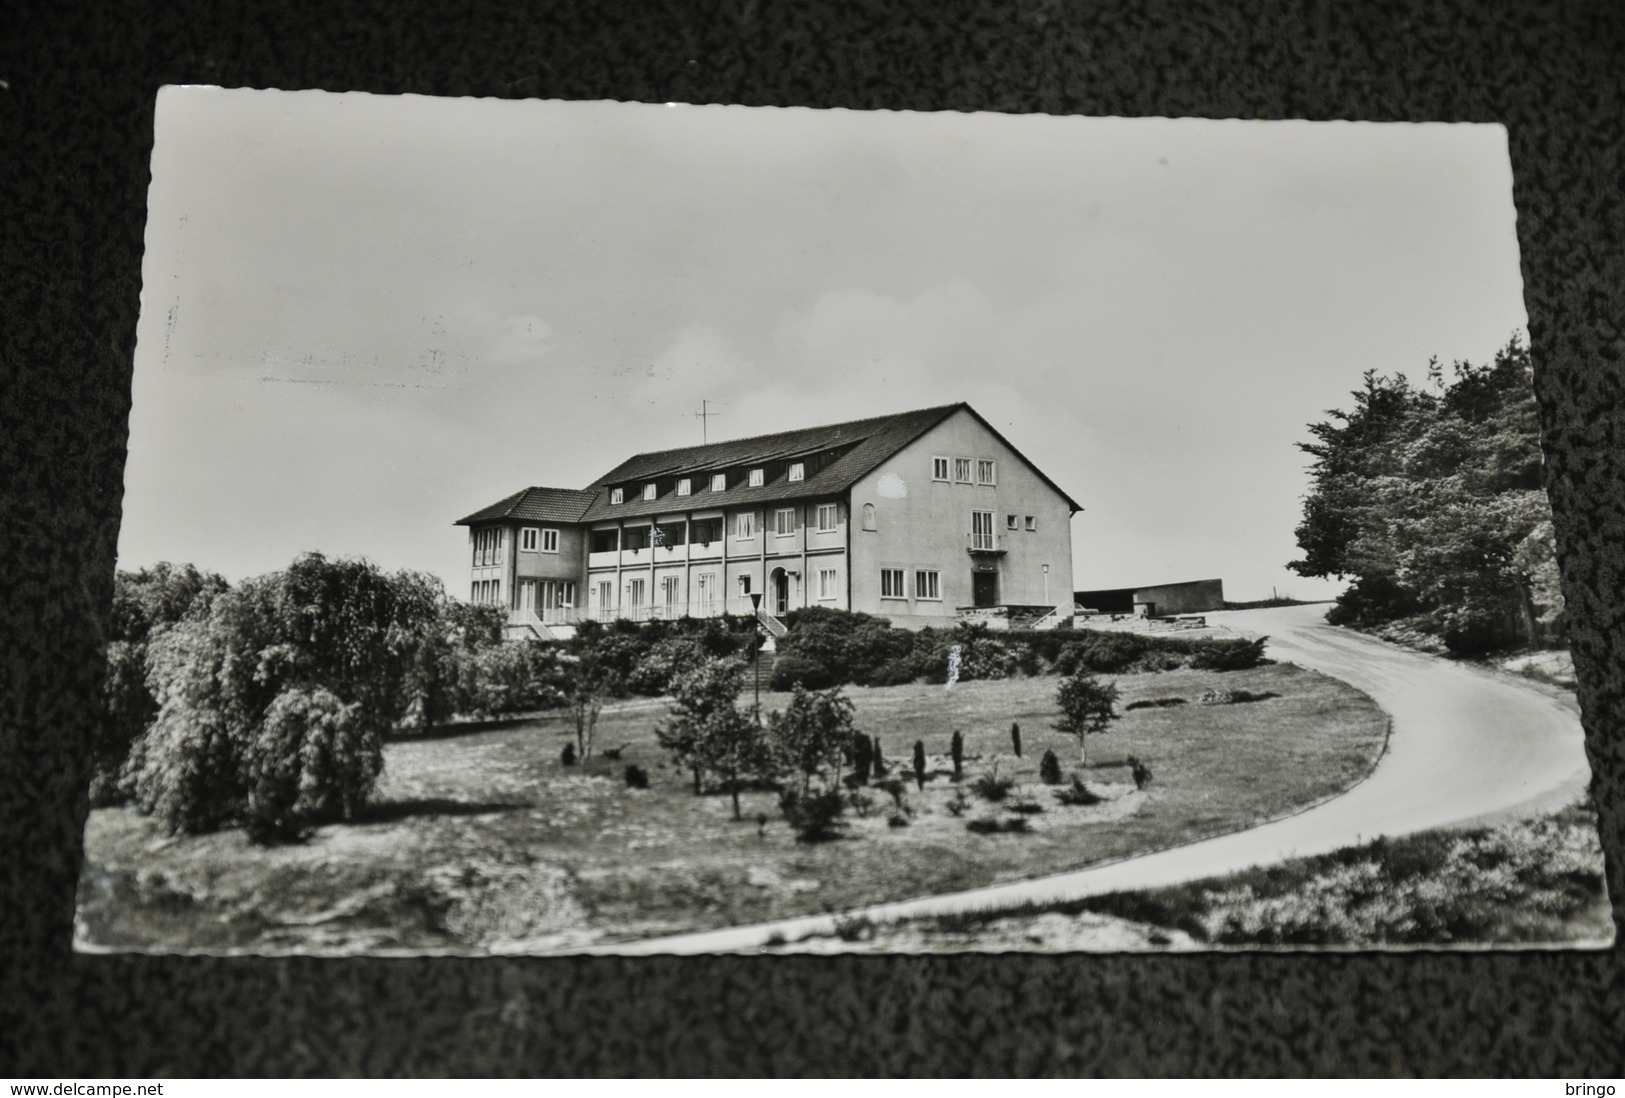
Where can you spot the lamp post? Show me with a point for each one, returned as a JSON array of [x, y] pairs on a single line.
[[756, 650], [1046, 583]]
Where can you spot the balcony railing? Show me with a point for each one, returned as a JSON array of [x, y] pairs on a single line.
[[982, 541]]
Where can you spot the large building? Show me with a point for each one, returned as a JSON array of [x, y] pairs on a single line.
[[923, 517]]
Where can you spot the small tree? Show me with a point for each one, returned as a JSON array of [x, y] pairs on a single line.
[[956, 748], [863, 757], [1087, 707], [1049, 769], [709, 733], [812, 734], [588, 686], [1015, 738], [919, 763]]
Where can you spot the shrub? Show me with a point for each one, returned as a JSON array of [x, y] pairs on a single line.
[[1015, 738], [815, 818], [894, 788], [919, 763], [959, 804], [990, 825], [1049, 769], [881, 769], [511, 677], [1154, 703], [313, 760], [636, 778], [1078, 794], [861, 803], [1229, 655], [895, 673], [956, 748], [567, 757], [663, 663], [1215, 696], [897, 817], [991, 786], [812, 734], [863, 757], [1026, 808], [806, 672], [1141, 772]]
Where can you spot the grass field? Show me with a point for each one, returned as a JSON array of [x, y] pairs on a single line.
[[480, 840]]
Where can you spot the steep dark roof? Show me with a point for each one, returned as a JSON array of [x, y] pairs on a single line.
[[536, 505], [864, 443]]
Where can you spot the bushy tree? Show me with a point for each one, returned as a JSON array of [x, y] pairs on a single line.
[[812, 735], [273, 705], [710, 734], [1431, 500], [1088, 706], [146, 603]]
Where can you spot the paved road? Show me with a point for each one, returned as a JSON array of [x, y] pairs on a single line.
[[1466, 746]]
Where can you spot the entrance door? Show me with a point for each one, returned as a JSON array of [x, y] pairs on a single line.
[[781, 592], [985, 587]]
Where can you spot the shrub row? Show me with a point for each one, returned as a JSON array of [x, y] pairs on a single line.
[[833, 647]]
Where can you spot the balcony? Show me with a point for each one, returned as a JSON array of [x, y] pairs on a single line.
[[979, 543]]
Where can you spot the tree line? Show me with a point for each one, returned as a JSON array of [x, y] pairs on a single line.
[[1430, 499]]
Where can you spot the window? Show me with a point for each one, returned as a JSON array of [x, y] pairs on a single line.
[[527, 540], [705, 589], [705, 531], [984, 472], [756, 478], [649, 491], [550, 541], [745, 525], [826, 583], [1032, 523], [606, 597], [685, 486], [670, 587], [798, 471], [826, 517], [719, 482], [1010, 522], [604, 541], [784, 522], [939, 468], [488, 547], [891, 584], [634, 538], [634, 594], [962, 470], [928, 584], [868, 516], [616, 495], [981, 530]]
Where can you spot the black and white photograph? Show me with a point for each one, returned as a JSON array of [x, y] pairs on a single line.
[[561, 527]]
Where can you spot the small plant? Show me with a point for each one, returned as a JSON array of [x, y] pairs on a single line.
[[568, 755], [919, 763], [1015, 738], [816, 818], [1216, 696], [1141, 772], [1026, 808], [1049, 769], [893, 787], [636, 778], [993, 825], [956, 747], [991, 786], [1078, 795], [960, 803], [861, 803], [881, 769], [897, 817]]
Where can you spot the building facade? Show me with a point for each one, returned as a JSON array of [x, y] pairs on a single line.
[[923, 517]]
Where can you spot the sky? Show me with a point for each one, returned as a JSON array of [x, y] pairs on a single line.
[[364, 317]]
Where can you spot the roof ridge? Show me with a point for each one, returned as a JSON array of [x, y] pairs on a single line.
[[795, 430]]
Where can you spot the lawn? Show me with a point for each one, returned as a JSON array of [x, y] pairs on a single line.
[[481, 840]]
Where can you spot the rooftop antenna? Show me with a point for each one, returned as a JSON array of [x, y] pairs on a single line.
[[704, 416]]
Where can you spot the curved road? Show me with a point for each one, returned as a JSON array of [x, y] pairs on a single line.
[[1466, 745]]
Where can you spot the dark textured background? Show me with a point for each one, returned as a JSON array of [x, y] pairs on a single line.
[[75, 131]]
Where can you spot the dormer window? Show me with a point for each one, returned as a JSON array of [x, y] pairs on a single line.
[[798, 471], [719, 482], [756, 478], [685, 486], [649, 490], [616, 495]]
